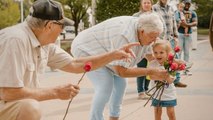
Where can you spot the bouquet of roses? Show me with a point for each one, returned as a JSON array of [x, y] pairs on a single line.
[[172, 67], [87, 68]]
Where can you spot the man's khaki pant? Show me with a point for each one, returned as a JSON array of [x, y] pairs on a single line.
[[10, 110]]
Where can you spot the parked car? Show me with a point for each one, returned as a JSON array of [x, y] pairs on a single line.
[[68, 33], [70, 29]]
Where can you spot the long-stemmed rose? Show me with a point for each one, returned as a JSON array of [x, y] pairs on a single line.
[[87, 68], [172, 67]]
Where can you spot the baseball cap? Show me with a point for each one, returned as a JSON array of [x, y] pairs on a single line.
[[49, 10]]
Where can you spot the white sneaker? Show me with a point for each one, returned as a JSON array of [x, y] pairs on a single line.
[[187, 72], [143, 96]]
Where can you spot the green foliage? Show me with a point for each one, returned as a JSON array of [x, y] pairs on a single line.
[[155, 1], [77, 11], [204, 11], [203, 31], [9, 14], [112, 8]]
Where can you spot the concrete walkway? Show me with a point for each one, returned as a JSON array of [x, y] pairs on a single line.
[[194, 102]]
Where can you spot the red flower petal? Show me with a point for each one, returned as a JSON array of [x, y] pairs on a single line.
[[182, 67], [87, 66], [170, 57], [177, 49], [174, 66]]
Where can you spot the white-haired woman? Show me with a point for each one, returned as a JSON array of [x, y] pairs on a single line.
[[110, 80], [143, 81]]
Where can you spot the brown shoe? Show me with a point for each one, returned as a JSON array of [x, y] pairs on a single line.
[[179, 84]]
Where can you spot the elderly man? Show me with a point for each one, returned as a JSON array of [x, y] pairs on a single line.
[[109, 81], [26, 49]]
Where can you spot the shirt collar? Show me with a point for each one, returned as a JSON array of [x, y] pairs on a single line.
[[34, 41], [165, 7]]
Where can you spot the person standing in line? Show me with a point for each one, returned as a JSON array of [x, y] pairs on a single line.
[[185, 42], [25, 51], [180, 7], [161, 50], [110, 81], [143, 81], [165, 10]]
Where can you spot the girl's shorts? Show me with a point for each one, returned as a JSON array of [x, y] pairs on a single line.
[[167, 103]]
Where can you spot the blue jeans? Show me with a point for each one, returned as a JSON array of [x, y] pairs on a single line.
[[108, 88], [185, 45], [177, 79], [142, 82]]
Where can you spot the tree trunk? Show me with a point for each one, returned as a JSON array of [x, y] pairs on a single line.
[[76, 27], [211, 31]]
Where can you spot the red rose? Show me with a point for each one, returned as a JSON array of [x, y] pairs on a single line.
[[182, 67], [170, 62], [87, 66], [174, 66], [170, 57], [177, 49]]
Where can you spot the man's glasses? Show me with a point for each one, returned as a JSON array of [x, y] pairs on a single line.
[[56, 22], [59, 23]]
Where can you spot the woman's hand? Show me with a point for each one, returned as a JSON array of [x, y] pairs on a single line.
[[158, 74], [125, 52]]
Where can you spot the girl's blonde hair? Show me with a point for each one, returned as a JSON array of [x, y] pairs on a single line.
[[180, 4], [165, 44]]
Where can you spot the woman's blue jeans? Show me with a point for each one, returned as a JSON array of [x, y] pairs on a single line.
[[142, 82], [108, 88], [177, 79]]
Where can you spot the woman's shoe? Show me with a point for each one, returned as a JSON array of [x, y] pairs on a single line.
[[148, 94], [143, 96]]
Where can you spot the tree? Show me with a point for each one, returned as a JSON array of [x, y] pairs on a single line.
[[204, 11], [112, 8], [9, 14], [78, 10]]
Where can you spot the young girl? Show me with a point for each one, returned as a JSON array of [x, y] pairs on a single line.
[[161, 49]]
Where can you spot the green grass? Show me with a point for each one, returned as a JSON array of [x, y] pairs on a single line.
[[203, 31], [66, 45]]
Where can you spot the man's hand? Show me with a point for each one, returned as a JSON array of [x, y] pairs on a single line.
[[179, 61], [176, 41], [68, 91], [170, 79], [125, 52], [184, 24]]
